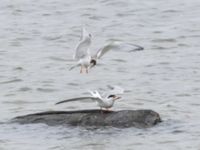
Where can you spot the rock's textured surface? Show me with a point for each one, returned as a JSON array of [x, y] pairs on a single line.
[[121, 119]]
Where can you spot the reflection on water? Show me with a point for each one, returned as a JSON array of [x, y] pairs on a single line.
[[37, 43]]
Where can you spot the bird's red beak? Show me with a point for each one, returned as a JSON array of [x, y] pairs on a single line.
[[117, 97]]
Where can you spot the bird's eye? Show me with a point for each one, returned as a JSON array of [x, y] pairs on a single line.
[[110, 96], [90, 35]]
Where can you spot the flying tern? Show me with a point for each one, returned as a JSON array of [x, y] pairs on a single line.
[[86, 60]]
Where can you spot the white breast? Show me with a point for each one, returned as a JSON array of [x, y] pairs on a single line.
[[106, 103], [85, 61]]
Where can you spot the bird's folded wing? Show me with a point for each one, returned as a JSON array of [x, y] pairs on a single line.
[[76, 99]]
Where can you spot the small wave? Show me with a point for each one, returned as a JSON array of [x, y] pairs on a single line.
[[159, 47], [122, 70], [2, 51], [15, 43], [183, 45], [124, 14], [150, 65], [24, 89], [119, 60], [10, 95], [170, 11], [23, 39], [73, 84], [157, 32], [18, 68], [46, 90], [116, 3], [11, 81], [170, 40], [164, 63], [22, 102], [59, 59], [52, 38], [183, 95], [46, 14]]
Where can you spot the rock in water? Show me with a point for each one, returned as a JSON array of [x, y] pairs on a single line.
[[97, 118]]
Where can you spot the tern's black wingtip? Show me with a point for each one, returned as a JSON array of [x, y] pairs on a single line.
[[57, 103], [137, 49]]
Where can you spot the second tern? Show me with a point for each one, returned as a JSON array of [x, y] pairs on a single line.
[[83, 55], [105, 100]]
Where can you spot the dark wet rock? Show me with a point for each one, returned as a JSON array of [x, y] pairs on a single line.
[[97, 118]]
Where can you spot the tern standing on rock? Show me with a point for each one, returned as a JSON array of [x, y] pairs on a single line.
[[84, 57], [105, 100]]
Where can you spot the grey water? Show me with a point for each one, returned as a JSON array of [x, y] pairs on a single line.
[[37, 41]]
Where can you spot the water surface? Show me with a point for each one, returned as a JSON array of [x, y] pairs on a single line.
[[37, 41]]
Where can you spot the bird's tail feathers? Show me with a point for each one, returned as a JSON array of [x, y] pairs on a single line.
[[95, 94]]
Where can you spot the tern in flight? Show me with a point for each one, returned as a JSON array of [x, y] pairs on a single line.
[[83, 55], [105, 100]]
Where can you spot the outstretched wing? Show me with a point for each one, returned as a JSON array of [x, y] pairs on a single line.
[[76, 99], [100, 52], [116, 45], [82, 48]]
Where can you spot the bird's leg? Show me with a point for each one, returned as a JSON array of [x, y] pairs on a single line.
[[101, 110], [81, 69], [107, 109], [86, 70]]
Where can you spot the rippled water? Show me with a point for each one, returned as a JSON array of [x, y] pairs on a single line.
[[37, 40]]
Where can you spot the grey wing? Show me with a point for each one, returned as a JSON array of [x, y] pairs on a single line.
[[100, 52], [84, 34], [76, 99], [116, 45], [82, 49]]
